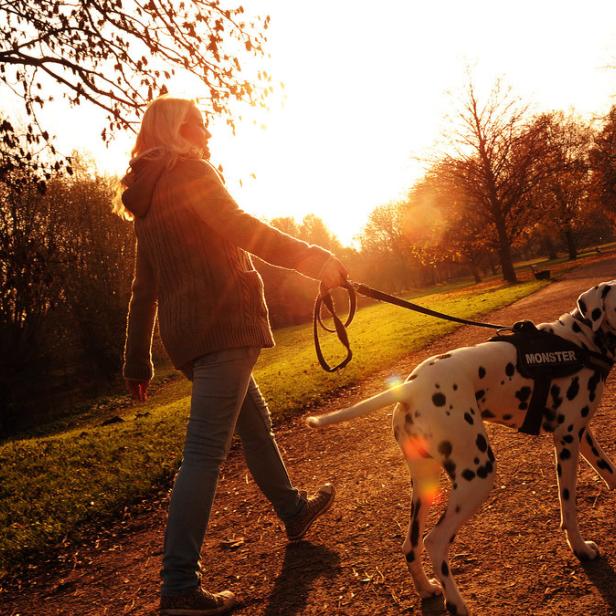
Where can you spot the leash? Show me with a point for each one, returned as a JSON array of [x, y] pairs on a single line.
[[324, 298]]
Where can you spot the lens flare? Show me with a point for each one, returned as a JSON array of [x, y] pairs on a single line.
[[415, 448], [393, 381]]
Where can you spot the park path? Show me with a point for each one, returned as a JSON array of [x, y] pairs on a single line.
[[509, 559]]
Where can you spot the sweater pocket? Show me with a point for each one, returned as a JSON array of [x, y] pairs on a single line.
[[251, 293]]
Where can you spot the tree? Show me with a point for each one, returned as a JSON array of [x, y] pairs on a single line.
[[565, 189], [495, 164], [118, 54], [603, 162]]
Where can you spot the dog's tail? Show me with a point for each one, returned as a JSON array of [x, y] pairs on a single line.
[[364, 407]]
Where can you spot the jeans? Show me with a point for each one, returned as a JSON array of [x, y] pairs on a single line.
[[224, 397]]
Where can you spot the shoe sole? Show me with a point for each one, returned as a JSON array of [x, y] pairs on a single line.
[[316, 517]]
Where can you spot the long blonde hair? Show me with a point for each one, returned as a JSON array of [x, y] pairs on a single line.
[[159, 135]]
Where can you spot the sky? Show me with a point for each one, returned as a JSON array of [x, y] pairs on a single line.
[[368, 91]]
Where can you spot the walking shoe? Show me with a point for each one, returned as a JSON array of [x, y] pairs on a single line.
[[316, 505], [197, 602]]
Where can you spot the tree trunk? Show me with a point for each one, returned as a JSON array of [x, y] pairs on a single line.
[[504, 252], [571, 247]]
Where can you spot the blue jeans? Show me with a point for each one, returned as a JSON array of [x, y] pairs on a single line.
[[224, 397]]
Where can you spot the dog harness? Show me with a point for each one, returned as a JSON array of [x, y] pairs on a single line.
[[543, 356]]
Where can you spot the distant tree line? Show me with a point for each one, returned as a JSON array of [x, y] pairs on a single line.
[[514, 186]]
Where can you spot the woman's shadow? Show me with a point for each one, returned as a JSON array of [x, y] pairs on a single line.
[[303, 564]]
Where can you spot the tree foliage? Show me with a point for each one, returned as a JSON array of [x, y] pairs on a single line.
[[118, 54]]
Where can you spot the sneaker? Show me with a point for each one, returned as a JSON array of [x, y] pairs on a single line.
[[316, 505], [197, 602]]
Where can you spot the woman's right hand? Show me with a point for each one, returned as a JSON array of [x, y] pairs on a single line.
[[333, 274], [138, 390]]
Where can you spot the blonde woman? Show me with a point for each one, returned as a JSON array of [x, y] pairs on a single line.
[[193, 266]]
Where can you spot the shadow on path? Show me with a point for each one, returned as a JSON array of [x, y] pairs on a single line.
[[303, 564], [603, 576]]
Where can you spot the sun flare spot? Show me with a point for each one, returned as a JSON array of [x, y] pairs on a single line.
[[415, 448], [393, 381]]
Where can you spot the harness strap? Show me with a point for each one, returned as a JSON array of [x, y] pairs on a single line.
[[536, 407]]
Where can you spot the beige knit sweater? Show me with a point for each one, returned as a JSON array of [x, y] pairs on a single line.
[[192, 264]]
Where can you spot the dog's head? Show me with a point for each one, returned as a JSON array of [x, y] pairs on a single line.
[[598, 306]]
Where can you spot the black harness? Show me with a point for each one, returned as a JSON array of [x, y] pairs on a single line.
[[543, 356]]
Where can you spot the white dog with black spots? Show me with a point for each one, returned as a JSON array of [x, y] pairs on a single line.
[[438, 423]]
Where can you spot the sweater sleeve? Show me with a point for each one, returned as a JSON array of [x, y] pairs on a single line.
[[140, 323], [202, 188]]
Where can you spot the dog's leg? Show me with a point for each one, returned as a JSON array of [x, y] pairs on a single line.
[[425, 474], [471, 468], [597, 458], [567, 458]]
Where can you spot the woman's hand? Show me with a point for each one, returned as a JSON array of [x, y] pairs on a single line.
[[138, 390], [333, 274]]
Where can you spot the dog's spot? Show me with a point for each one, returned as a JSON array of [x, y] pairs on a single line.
[[481, 442], [454, 486], [570, 428], [444, 356], [502, 382], [439, 399], [584, 412], [491, 454], [411, 377], [523, 393], [576, 328], [482, 472], [415, 531], [445, 448], [565, 454], [567, 439], [556, 398], [581, 433], [559, 470], [548, 427], [408, 420], [476, 460], [589, 440], [410, 557], [479, 394], [452, 539], [523, 406], [482, 372], [437, 385], [444, 568], [574, 388], [560, 419], [489, 466], [431, 363], [450, 469], [582, 305], [605, 291], [593, 381], [601, 463], [468, 474], [550, 414], [566, 494], [596, 314], [468, 418], [509, 369], [457, 508], [455, 387], [471, 410], [507, 416], [452, 608], [595, 452], [487, 414]]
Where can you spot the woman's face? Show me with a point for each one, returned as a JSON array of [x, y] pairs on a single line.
[[193, 129]]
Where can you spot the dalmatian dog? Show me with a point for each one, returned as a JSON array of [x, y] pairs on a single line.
[[438, 423]]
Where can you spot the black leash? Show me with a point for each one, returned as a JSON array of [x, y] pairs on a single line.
[[324, 298]]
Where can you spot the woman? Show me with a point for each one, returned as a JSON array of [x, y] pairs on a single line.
[[193, 266]]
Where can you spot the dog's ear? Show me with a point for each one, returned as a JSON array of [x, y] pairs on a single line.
[[592, 304]]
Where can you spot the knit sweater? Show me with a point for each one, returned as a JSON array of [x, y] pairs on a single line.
[[193, 265]]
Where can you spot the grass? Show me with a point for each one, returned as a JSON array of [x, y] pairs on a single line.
[[51, 485]]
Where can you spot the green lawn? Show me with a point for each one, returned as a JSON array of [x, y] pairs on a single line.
[[51, 485]]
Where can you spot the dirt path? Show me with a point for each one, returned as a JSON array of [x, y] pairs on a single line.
[[509, 559]]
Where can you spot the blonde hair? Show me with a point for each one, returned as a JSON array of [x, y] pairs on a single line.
[[159, 135]]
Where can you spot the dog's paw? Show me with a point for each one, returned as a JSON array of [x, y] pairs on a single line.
[[590, 551], [433, 589]]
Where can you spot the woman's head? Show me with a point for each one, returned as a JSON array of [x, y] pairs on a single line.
[[173, 124], [171, 128]]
